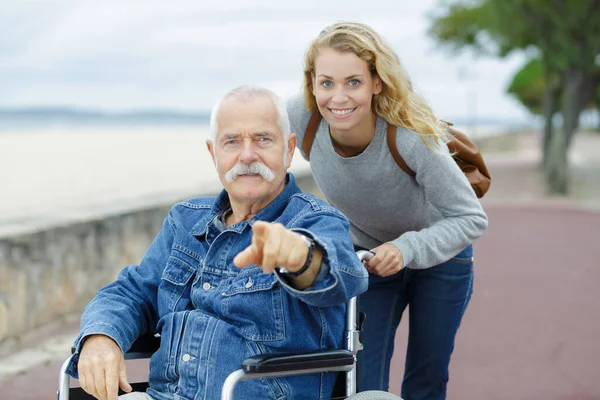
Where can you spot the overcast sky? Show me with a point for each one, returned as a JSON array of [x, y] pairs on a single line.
[[129, 54]]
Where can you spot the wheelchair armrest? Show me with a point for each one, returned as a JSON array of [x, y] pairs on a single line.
[[143, 347], [293, 362]]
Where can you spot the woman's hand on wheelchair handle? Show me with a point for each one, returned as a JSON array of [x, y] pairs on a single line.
[[387, 260], [101, 368]]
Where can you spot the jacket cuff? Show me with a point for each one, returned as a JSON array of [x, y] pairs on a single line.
[[323, 282]]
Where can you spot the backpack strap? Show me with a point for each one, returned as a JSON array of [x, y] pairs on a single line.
[[311, 132], [391, 141]]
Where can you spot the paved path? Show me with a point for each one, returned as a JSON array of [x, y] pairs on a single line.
[[531, 331]]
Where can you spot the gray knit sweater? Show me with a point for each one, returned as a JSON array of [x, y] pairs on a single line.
[[430, 218]]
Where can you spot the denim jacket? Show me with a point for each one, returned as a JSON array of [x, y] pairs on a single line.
[[211, 315]]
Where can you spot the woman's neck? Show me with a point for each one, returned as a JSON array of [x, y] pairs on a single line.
[[350, 143]]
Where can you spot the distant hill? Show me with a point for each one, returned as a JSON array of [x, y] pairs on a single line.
[[35, 116], [494, 121], [27, 117]]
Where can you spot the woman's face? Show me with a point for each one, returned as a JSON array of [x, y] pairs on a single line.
[[344, 87]]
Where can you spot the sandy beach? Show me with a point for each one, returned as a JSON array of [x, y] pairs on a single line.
[[57, 176]]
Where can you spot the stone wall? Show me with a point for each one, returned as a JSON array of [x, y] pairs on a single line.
[[50, 274], [45, 275]]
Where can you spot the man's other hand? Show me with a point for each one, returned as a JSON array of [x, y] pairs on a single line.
[[102, 368]]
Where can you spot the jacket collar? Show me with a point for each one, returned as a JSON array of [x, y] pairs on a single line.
[[270, 213]]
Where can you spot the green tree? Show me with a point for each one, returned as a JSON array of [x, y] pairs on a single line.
[[528, 86], [565, 34]]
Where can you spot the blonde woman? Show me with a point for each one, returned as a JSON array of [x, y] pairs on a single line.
[[421, 228]]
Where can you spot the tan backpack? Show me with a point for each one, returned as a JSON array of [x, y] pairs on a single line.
[[463, 150]]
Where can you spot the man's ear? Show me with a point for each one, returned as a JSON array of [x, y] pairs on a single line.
[[292, 140], [209, 146]]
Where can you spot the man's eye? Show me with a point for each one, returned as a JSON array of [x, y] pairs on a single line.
[[230, 142], [354, 82], [327, 84], [264, 141]]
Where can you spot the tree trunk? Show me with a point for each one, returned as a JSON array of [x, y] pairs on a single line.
[[597, 103], [550, 100], [574, 97], [557, 171]]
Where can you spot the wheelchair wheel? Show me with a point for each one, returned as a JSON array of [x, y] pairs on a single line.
[[374, 395]]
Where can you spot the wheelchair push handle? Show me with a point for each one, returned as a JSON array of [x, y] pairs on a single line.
[[365, 255], [353, 322]]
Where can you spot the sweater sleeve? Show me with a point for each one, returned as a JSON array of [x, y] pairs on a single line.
[[448, 190], [299, 117]]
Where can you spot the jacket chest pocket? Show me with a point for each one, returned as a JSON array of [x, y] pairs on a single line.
[[254, 303], [175, 286]]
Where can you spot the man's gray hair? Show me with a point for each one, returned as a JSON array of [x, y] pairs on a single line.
[[249, 93]]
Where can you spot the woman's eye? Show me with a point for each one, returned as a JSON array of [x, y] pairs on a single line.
[[354, 82], [327, 84]]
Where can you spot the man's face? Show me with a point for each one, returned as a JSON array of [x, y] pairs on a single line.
[[249, 151]]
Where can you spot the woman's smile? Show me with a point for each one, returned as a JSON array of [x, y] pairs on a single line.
[[342, 113]]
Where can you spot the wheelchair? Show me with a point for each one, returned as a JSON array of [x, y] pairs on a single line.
[[342, 361]]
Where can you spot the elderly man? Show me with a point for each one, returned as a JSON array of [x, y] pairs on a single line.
[[261, 268]]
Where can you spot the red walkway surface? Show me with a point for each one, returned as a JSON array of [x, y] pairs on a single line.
[[532, 329]]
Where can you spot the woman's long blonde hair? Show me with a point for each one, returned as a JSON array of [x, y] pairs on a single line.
[[398, 103]]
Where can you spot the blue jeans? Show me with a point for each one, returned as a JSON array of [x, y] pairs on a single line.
[[437, 299]]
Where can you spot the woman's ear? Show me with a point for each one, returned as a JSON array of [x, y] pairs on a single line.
[[377, 84]]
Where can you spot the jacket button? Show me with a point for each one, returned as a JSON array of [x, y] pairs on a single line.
[[206, 286], [186, 357], [249, 284]]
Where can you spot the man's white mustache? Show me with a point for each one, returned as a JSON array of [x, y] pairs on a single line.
[[254, 168]]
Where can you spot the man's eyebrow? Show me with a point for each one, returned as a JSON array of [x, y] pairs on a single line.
[[262, 134], [229, 136]]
